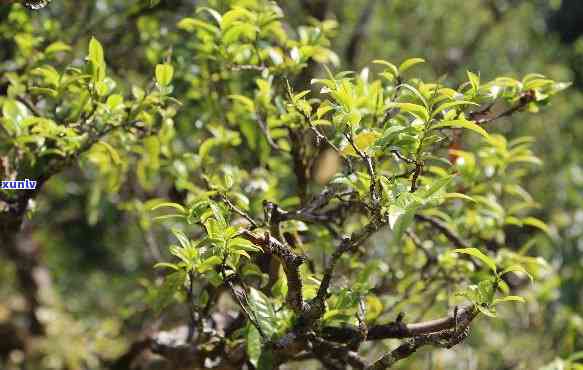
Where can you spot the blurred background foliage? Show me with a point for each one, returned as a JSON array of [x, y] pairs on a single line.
[[96, 238]]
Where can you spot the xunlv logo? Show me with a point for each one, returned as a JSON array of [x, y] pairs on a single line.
[[18, 185]]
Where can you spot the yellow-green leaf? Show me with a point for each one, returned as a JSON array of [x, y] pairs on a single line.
[[410, 63], [416, 109], [164, 74], [535, 222], [393, 69], [475, 252], [57, 47], [517, 268], [459, 196], [374, 307], [170, 205], [97, 59], [362, 141], [247, 102], [509, 298], [474, 81], [450, 105], [460, 123]]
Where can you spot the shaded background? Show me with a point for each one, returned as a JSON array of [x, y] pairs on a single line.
[[100, 250]]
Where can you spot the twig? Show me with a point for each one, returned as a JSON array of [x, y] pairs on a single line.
[[29, 105], [402, 157], [240, 212], [263, 126], [526, 98], [239, 293], [416, 173], [191, 307], [374, 196], [444, 229], [390, 113], [347, 243]]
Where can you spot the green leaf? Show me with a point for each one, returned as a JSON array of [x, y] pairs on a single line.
[[280, 287], [374, 307], [248, 103], [362, 141], [164, 295], [57, 47], [393, 69], [170, 205], [218, 214], [95, 51], [243, 244], [112, 152], [114, 101], [400, 219], [416, 93], [208, 264], [97, 59], [486, 311], [560, 86], [461, 123], [459, 196], [191, 24], [415, 109], [101, 88], [214, 230], [538, 83], [474, 81], [322, 110], [266, 360], [216, 15], [167, 217], [182, 238], [486, 291], [509, 298], [237, 13], [410, 63], [535, 222], [263, 311], [517, 268], [197, 210], [353, 118], [437, 185], [164, 74], [166, 265], [478, 254], [254, 345], [49, 75], [450, 105], [576, 357], [44, 91], [298, 96], [15, 110]]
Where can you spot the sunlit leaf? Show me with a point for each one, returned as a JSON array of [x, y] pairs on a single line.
[[460, 123], [479, 255], [407, 64]]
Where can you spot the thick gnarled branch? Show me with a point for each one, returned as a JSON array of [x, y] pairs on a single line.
[[290, 260], [399, 329], [456, 329]]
